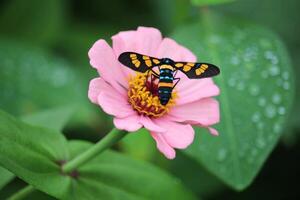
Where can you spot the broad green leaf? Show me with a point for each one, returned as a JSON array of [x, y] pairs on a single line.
[[209, 2], [32, 153], [36, 21], [112, 175], [35, 154], [267, 13], [55, 118], [5, 177], [195, 177], [257, 87], [31, 80], [38, 195], [291, 136]]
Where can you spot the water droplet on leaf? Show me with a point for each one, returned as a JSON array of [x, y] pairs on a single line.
[[276, 98], [286, 85], [270, 111], [262, 101], [274, 70], [222, 154], [256, 117], [254, 90], [260, 143], [281, 110]]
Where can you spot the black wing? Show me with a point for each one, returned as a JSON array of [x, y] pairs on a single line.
[[138, 62], [197, 70]]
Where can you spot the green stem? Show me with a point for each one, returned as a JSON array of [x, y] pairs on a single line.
[[111, 138], [22, 193]]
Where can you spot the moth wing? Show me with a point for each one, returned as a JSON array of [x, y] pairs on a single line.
[[197, 70], [138, 62]]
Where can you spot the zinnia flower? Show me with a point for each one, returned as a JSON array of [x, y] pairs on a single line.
[[125, 94]]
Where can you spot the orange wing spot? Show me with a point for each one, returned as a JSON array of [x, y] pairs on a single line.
[[179, 64], [199, 71], [133, 55], [162, 84], [155, 61], [186, 68], [136, 62], [148, 63], [167, 67], [146, 57], [190, 64], [204, 66]]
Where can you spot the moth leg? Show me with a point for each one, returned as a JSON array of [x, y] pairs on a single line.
[[154, 76], [154, 73], [177, 81], [175, 73]]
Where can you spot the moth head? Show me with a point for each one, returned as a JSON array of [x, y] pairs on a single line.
[[167, 61]]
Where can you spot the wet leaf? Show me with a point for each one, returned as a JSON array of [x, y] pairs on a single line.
[[257, 87]]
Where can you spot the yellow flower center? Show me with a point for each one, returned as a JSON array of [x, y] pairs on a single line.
[[143, 96]]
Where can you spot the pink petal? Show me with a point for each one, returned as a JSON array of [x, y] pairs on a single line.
[[163, 146], [123, 41], [150, 125], [193, 90], [120, 46], [177, 135], [129, 123], [115, 104], [95, 87], [98, 85], [105, 61], [187, 55], [171, 49], [145, 41], [205, 112], [213, 131], [148, 40]]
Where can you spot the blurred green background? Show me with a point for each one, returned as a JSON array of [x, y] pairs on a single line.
[[65, 30]]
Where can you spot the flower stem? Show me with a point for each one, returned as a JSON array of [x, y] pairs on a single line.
[[22, 193], [111, 138]]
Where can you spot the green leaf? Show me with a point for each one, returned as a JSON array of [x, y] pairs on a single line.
[[55, 118], [112, 175], [31, 80], [6, 177], [36, 21], [257, 87], [195, 177], [209, 2], [32, 153], [35, 155]]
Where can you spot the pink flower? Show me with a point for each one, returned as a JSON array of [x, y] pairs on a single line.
[[123, 93]]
